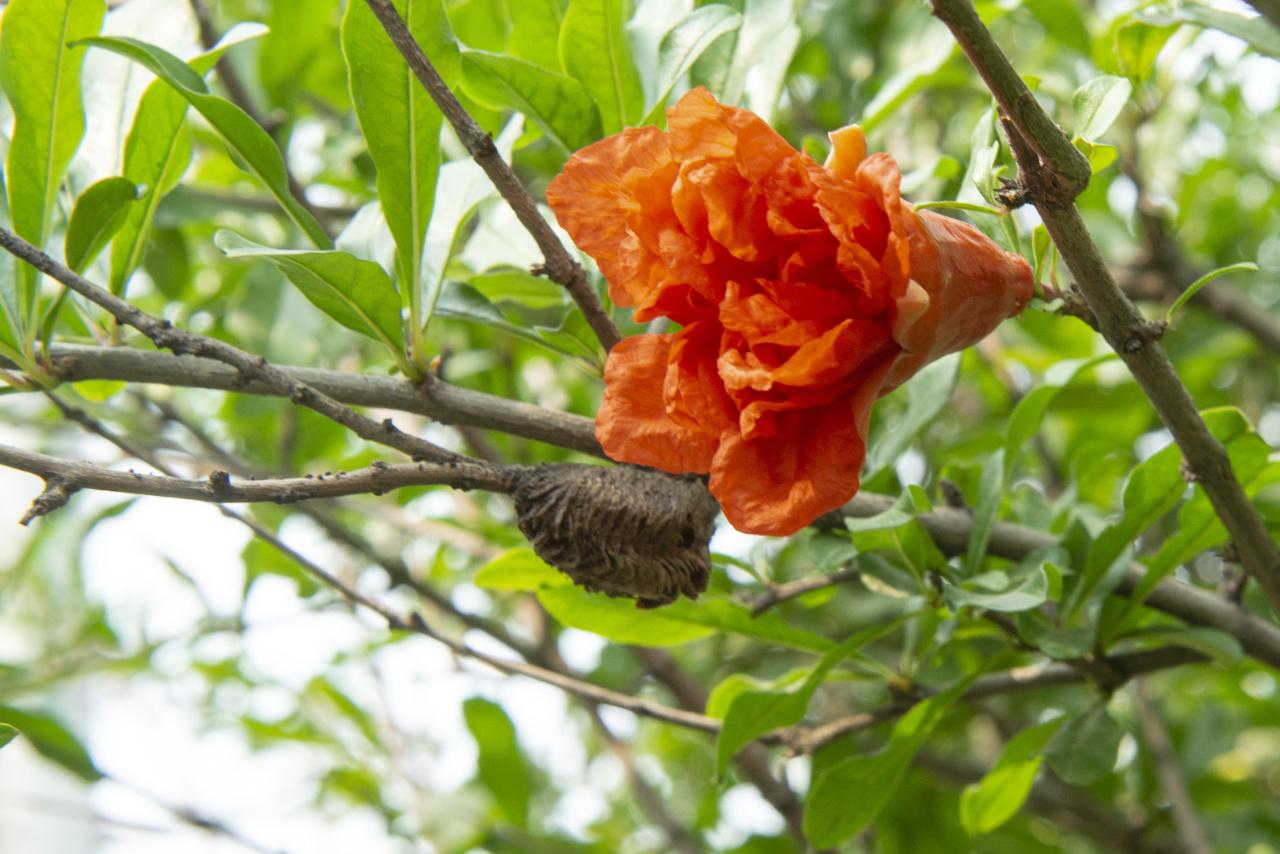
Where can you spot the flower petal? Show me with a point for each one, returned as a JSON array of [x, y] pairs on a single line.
[[778, 485], [591, 201], [971, 284], [848, 149], [632, 424]]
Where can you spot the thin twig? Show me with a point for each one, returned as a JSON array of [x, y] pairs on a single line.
[[1124, 667], [219, 488], [558, 264], [1051, 179], [950, 529], [775, 594], [1190, 831]]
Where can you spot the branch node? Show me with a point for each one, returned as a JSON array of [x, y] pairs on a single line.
[[57, 492], [219, 483]]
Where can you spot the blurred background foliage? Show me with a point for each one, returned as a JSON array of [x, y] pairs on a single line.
[[1176, 105]]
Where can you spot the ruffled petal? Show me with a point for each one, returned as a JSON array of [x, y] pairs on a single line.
[[632, 424], [778, 485], [692, 390], [848, 149]]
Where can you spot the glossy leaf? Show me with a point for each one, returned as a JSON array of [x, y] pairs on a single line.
[[1083, 750], [519, 569], [1097, 104], [557, 104], [684, 44], [754, 713], [503, 768], [926, 395], [96, 217], [53, 741], [250, 143], [156, 154], [594, 51], [401, 126], [1196, 286], [40, 75], [356, 293], [995, 799], [832, 814], [1153, 488]]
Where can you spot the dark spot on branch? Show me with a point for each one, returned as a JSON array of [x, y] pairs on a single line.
[[219, 482]]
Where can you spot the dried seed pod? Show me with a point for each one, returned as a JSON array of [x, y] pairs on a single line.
[[623, 531]]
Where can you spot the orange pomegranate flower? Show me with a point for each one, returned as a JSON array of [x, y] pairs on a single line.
[[803, 292]]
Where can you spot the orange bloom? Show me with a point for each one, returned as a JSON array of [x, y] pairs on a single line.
[[804, 292]]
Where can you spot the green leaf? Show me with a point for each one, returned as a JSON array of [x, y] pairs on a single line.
[[463, 186], [1028, 415], [519, 569], [460, 301], [999, 795], [502, 767], [156, 153], [959, 206], [1255, 30], [1063, 21], [594, 51], [850, 793], [53, 741], [682, 621], [619, 620], [40, 75], [753, 713], [1219, 646], [535, 32], [1083, 750], [991, 489], [1099, 155], [356, 293], [1097, 104], [246, 140], [932, 52], [681, 47], [7, 734], [762, 46], [401, 126], [926, 395], [1199, 527], [513, 285], [1195, 287], [1137, 45], [557, 104], [1029, 588], [96, 217], [1153, 488]]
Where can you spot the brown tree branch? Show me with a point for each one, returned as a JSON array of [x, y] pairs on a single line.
[[249, 366], [1051, 174], [219, 488], [433, 397], [558, 264], [949, 527]]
